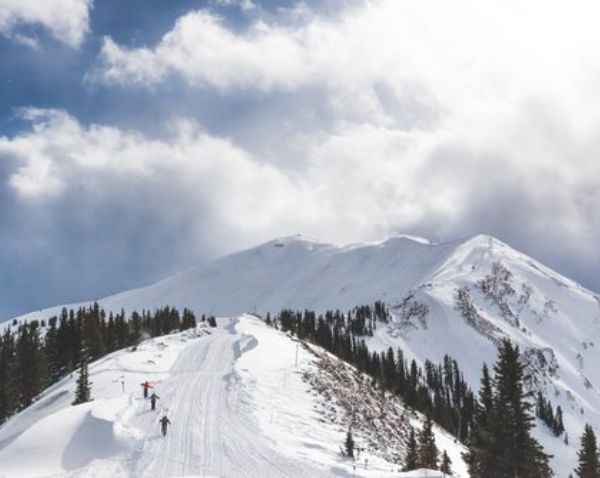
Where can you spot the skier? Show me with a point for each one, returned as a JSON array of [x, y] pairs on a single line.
[[146, 385], [153, 399], [164, 421]]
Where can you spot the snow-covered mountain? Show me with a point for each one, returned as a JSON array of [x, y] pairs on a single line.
[[458, 298], [295, 272]]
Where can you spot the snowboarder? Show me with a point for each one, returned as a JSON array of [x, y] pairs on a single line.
[[164, 421], [153, 399], [146, 385]]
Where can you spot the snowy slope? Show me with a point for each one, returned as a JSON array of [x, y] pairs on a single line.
[[234, 395], [555, 321], [458, 298]]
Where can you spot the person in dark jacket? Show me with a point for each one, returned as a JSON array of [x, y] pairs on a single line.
[[153, 399], [164, 421]]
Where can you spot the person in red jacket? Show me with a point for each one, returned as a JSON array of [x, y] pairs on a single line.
[[146, 385]]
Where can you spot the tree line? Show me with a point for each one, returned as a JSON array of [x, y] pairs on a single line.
[[496, 426], [545, 412], [438, 390], [36, 354]]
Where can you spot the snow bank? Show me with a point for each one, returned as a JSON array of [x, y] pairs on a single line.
[[62, 442]]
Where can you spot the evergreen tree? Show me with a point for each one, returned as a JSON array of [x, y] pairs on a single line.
[[501, 444], [588, 459], [558, 427], [52, 352], [411, 460], [30, 365], [111, 336], [446, 466], [83, 392], [427, 450], [480, 455], [517, 453], [136, 327], [349, 444], [7, 384]]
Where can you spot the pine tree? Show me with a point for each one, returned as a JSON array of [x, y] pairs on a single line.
[[349, 444], [501, 444], [588, 458], [446, 466], [136, 327], [411, 460], [52, 351], [558, 427], [427, 450], [83, 392], [480, 456], [7, 385], [517, 453], [30, 365]]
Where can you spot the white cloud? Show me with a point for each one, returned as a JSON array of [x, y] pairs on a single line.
[[244, 5], [463, 62], [191, 174], [66, 20], [432, 121], [427, 43], [203, 50], [359, 182]]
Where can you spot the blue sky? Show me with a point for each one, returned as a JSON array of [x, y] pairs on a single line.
[[138, 138]]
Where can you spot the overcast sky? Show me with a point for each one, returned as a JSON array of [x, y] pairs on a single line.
[[138, 138]]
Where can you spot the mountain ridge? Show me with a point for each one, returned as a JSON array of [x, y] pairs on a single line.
[[387, 254]]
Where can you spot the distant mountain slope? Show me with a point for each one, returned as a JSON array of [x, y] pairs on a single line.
[[292, 272], [459, 298]]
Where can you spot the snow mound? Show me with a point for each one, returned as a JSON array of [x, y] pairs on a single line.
[[62, 442]]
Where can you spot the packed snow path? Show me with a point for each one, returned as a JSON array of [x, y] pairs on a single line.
[[210, 434]]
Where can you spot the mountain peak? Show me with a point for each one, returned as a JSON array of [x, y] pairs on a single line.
[[484, 240]]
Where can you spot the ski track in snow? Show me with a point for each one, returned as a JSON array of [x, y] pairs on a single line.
[[208, 436]]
